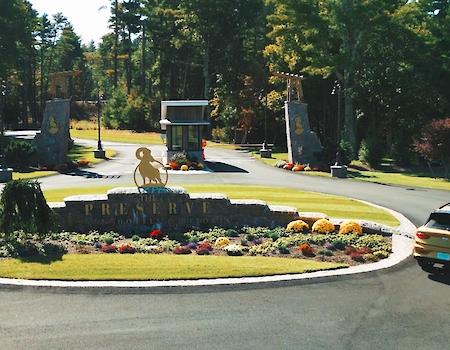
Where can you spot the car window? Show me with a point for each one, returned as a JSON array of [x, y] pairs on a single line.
[[439, 220]]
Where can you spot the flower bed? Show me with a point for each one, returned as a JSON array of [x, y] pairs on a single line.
[[298, 167], [352, 247], [184, 162]]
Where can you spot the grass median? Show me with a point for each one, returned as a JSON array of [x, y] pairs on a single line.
[[79, 267], [156, 267], [174, 267]]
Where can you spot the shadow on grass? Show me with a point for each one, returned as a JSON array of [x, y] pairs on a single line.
[[360, 172], [354, 174], [42, 259]]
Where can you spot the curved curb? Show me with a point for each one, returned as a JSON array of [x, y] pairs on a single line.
[[402, 246]]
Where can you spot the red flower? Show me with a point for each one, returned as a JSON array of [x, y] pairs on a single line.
[[156, 234], [126, 249], [174, 165], [107, 248], [182, 250]]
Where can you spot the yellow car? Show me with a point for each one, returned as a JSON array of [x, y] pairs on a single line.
[[432, 241]]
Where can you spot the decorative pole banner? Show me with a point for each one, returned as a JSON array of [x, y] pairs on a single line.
[[150, 175]]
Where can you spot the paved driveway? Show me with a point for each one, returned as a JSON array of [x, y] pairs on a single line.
[[401, 307]]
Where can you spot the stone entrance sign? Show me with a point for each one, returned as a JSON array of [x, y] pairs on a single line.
[[131, 211], [303, 144], [52, 141], [150, 205]]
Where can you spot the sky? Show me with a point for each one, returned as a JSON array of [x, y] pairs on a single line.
[[88, 20]]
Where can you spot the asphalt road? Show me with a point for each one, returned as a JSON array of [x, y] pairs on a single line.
[[396, 308]]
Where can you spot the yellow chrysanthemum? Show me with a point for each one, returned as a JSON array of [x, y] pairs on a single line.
[[323, 226], [350, 226], [222, 241], [297, 226], [184, 167]]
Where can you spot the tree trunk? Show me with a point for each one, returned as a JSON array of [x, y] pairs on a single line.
[[207, 77], [350, 124], [128, 71], [116, 41]]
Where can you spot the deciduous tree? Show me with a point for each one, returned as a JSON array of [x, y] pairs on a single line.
[[434, 142]]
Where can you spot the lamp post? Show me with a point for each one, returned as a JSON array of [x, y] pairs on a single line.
[[264, 151], [5, 172], [337, 91], [338, 170], [99, 152]]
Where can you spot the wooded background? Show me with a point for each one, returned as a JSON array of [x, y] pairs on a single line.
[[382, 66]]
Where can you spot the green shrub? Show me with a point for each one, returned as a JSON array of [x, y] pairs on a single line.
[[18, 152], [24, 207], [108, 240], [250, 237], [264, 248], [325, 252], [50, 249], [371, 150], [283, 249], [219, 134], [169, 245], [180, 158], [232, 233]]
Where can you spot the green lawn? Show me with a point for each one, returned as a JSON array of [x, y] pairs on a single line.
[[138, 267], [405, 177], [332, 206], [77, 153], [165, 267], [146, 138]]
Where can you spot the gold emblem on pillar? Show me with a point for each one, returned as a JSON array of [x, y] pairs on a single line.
[[298, 126], [52, 126], [150, 175]]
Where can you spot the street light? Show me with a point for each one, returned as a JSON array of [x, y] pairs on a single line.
[[99, 152], [337, 91], [264, 151], [338, 170]]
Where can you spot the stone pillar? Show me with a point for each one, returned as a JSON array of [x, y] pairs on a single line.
[[52, 142], [302, 143]]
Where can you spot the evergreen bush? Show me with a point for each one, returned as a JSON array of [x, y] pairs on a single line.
[[23, 206], [18, 152]]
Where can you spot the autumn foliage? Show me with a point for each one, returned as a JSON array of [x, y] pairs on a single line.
[[434, 142]]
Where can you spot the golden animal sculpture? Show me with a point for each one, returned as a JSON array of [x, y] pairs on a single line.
[[150, 175], [298, 126], [52, 126]]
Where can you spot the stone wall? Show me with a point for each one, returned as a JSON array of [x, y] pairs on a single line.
[[131, 211]]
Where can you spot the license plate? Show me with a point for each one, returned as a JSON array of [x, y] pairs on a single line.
[[443, 256]]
